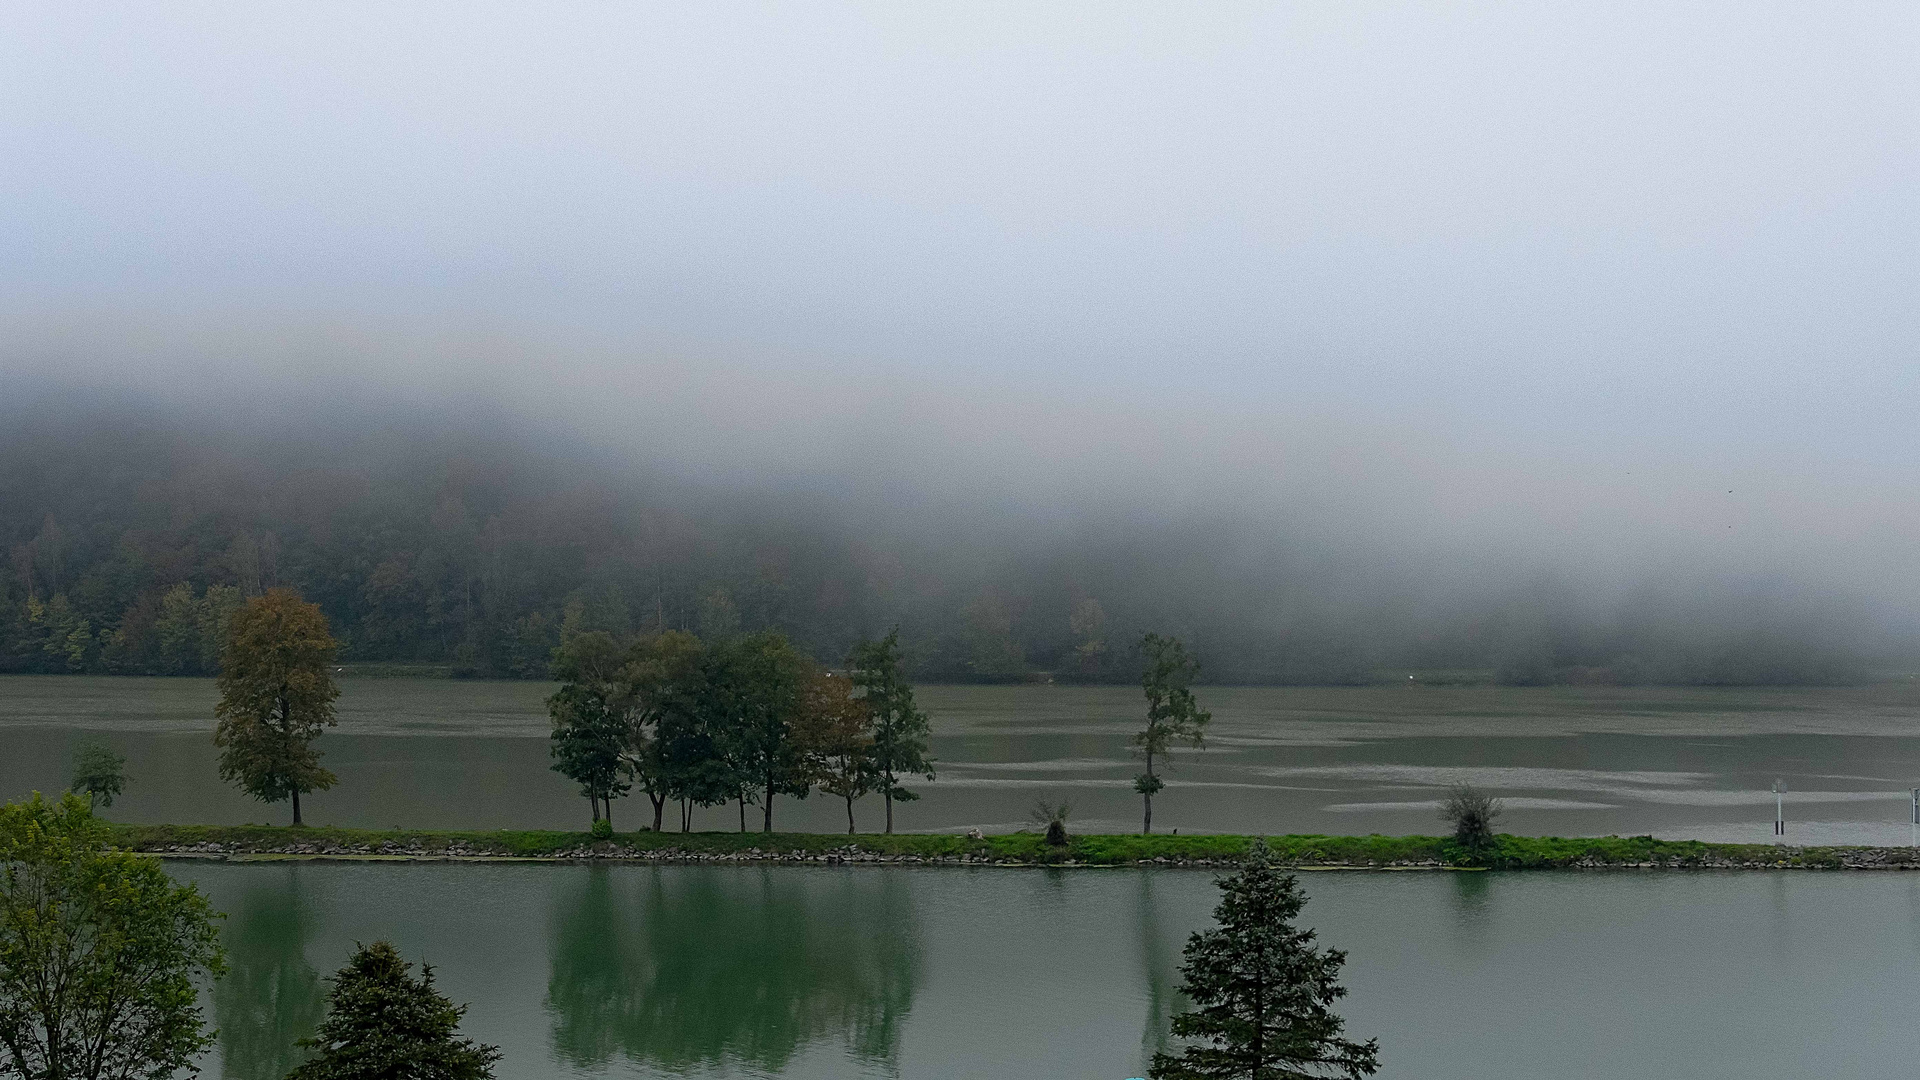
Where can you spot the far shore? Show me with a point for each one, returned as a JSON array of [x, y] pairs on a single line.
[[255, 843]]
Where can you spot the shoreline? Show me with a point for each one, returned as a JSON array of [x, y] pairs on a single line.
[[258, 843]]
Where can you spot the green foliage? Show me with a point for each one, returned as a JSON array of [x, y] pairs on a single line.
[[98, 773], [590, 739], [99, 952], [602, 829], [1262, 991], [1173, 716], [384, 1024], [901, 732], [837, 732], [276, 696], [757, 686]]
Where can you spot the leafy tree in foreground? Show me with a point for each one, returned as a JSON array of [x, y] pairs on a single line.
[[276, 696], [99, 953], [384, 1024], [1172, 714], [98, 773], [1262, 990], [900, 730]]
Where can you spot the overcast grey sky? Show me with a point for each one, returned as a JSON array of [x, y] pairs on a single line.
[[1611, 281]]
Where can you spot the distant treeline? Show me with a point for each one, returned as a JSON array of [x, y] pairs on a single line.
[[131, 532]]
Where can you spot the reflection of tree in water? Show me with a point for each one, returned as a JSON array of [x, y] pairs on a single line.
[[271, 997], [1158, 958], [692, 968]]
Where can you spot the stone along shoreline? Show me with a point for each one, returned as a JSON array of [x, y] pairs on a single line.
[[261, 843]]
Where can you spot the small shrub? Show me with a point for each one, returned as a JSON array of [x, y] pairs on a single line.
[[1053, 818], [603, 829], [1472, 813]]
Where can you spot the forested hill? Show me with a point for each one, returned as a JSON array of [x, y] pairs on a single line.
[[129, 530]]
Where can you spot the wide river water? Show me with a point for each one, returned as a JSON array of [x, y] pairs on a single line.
[[798, 972], [1575, 761]]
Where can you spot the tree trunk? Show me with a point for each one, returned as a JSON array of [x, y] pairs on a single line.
[[849, 815], [659, 808], [1146, 827], [686, 816], [743, 811], [889, 795], [768, 827], [609, 801], [296, 806]]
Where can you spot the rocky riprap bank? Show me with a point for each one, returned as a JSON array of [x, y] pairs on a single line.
[[1018, 849]]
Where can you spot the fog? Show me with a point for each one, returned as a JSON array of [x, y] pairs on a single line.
[[1362, 312]]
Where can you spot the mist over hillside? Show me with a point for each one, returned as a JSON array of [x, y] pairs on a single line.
[[475, 540]]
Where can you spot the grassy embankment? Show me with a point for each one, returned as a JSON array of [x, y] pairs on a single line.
[[1385, 852]]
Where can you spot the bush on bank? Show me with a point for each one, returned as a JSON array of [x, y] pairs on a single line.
[[1509, 853]]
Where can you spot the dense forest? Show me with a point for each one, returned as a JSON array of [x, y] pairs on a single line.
[[476, 545]]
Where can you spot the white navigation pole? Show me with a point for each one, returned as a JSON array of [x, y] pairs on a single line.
[[1913, 830], [1779, 808]]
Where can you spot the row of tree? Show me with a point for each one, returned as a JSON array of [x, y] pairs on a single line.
[[740, 720]]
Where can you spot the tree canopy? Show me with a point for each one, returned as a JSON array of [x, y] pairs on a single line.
[[384, 1024], [100, 953], [276, 696], [99, 773], [901, 732], [1173, 716], [1262, 990]]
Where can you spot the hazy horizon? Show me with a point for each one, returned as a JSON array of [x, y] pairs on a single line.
[[1440, 298]]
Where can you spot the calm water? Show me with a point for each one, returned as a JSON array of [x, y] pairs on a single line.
[[1689, 763], [818, 973]]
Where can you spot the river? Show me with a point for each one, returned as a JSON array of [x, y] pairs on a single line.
[[796, 972], [1682, 763]]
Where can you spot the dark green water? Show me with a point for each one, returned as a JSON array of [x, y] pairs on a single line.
[[429, 753], [829, 972]]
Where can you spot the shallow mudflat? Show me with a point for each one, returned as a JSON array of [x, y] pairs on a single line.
[[1586, 761]]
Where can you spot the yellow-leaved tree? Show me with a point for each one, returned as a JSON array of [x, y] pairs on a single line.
[[276, 696]]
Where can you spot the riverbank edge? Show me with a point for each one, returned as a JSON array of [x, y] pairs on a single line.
[[260, 843]]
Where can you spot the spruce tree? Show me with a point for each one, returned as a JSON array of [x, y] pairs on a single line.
[[1262, 991], [384, 1024]]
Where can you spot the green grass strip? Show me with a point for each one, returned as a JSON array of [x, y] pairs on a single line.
[[1513, 852]]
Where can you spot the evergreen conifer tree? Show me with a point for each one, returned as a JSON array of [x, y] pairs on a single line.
[[1262, 991], [384, 1024]]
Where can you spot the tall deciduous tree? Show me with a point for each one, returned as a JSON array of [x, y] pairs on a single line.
[[276, 696], [1173, 716], [1262, 991], [760, 684], [900, 730], [592, 718], [384, 1024], [100, 952], [664, 672], [837, 731]]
